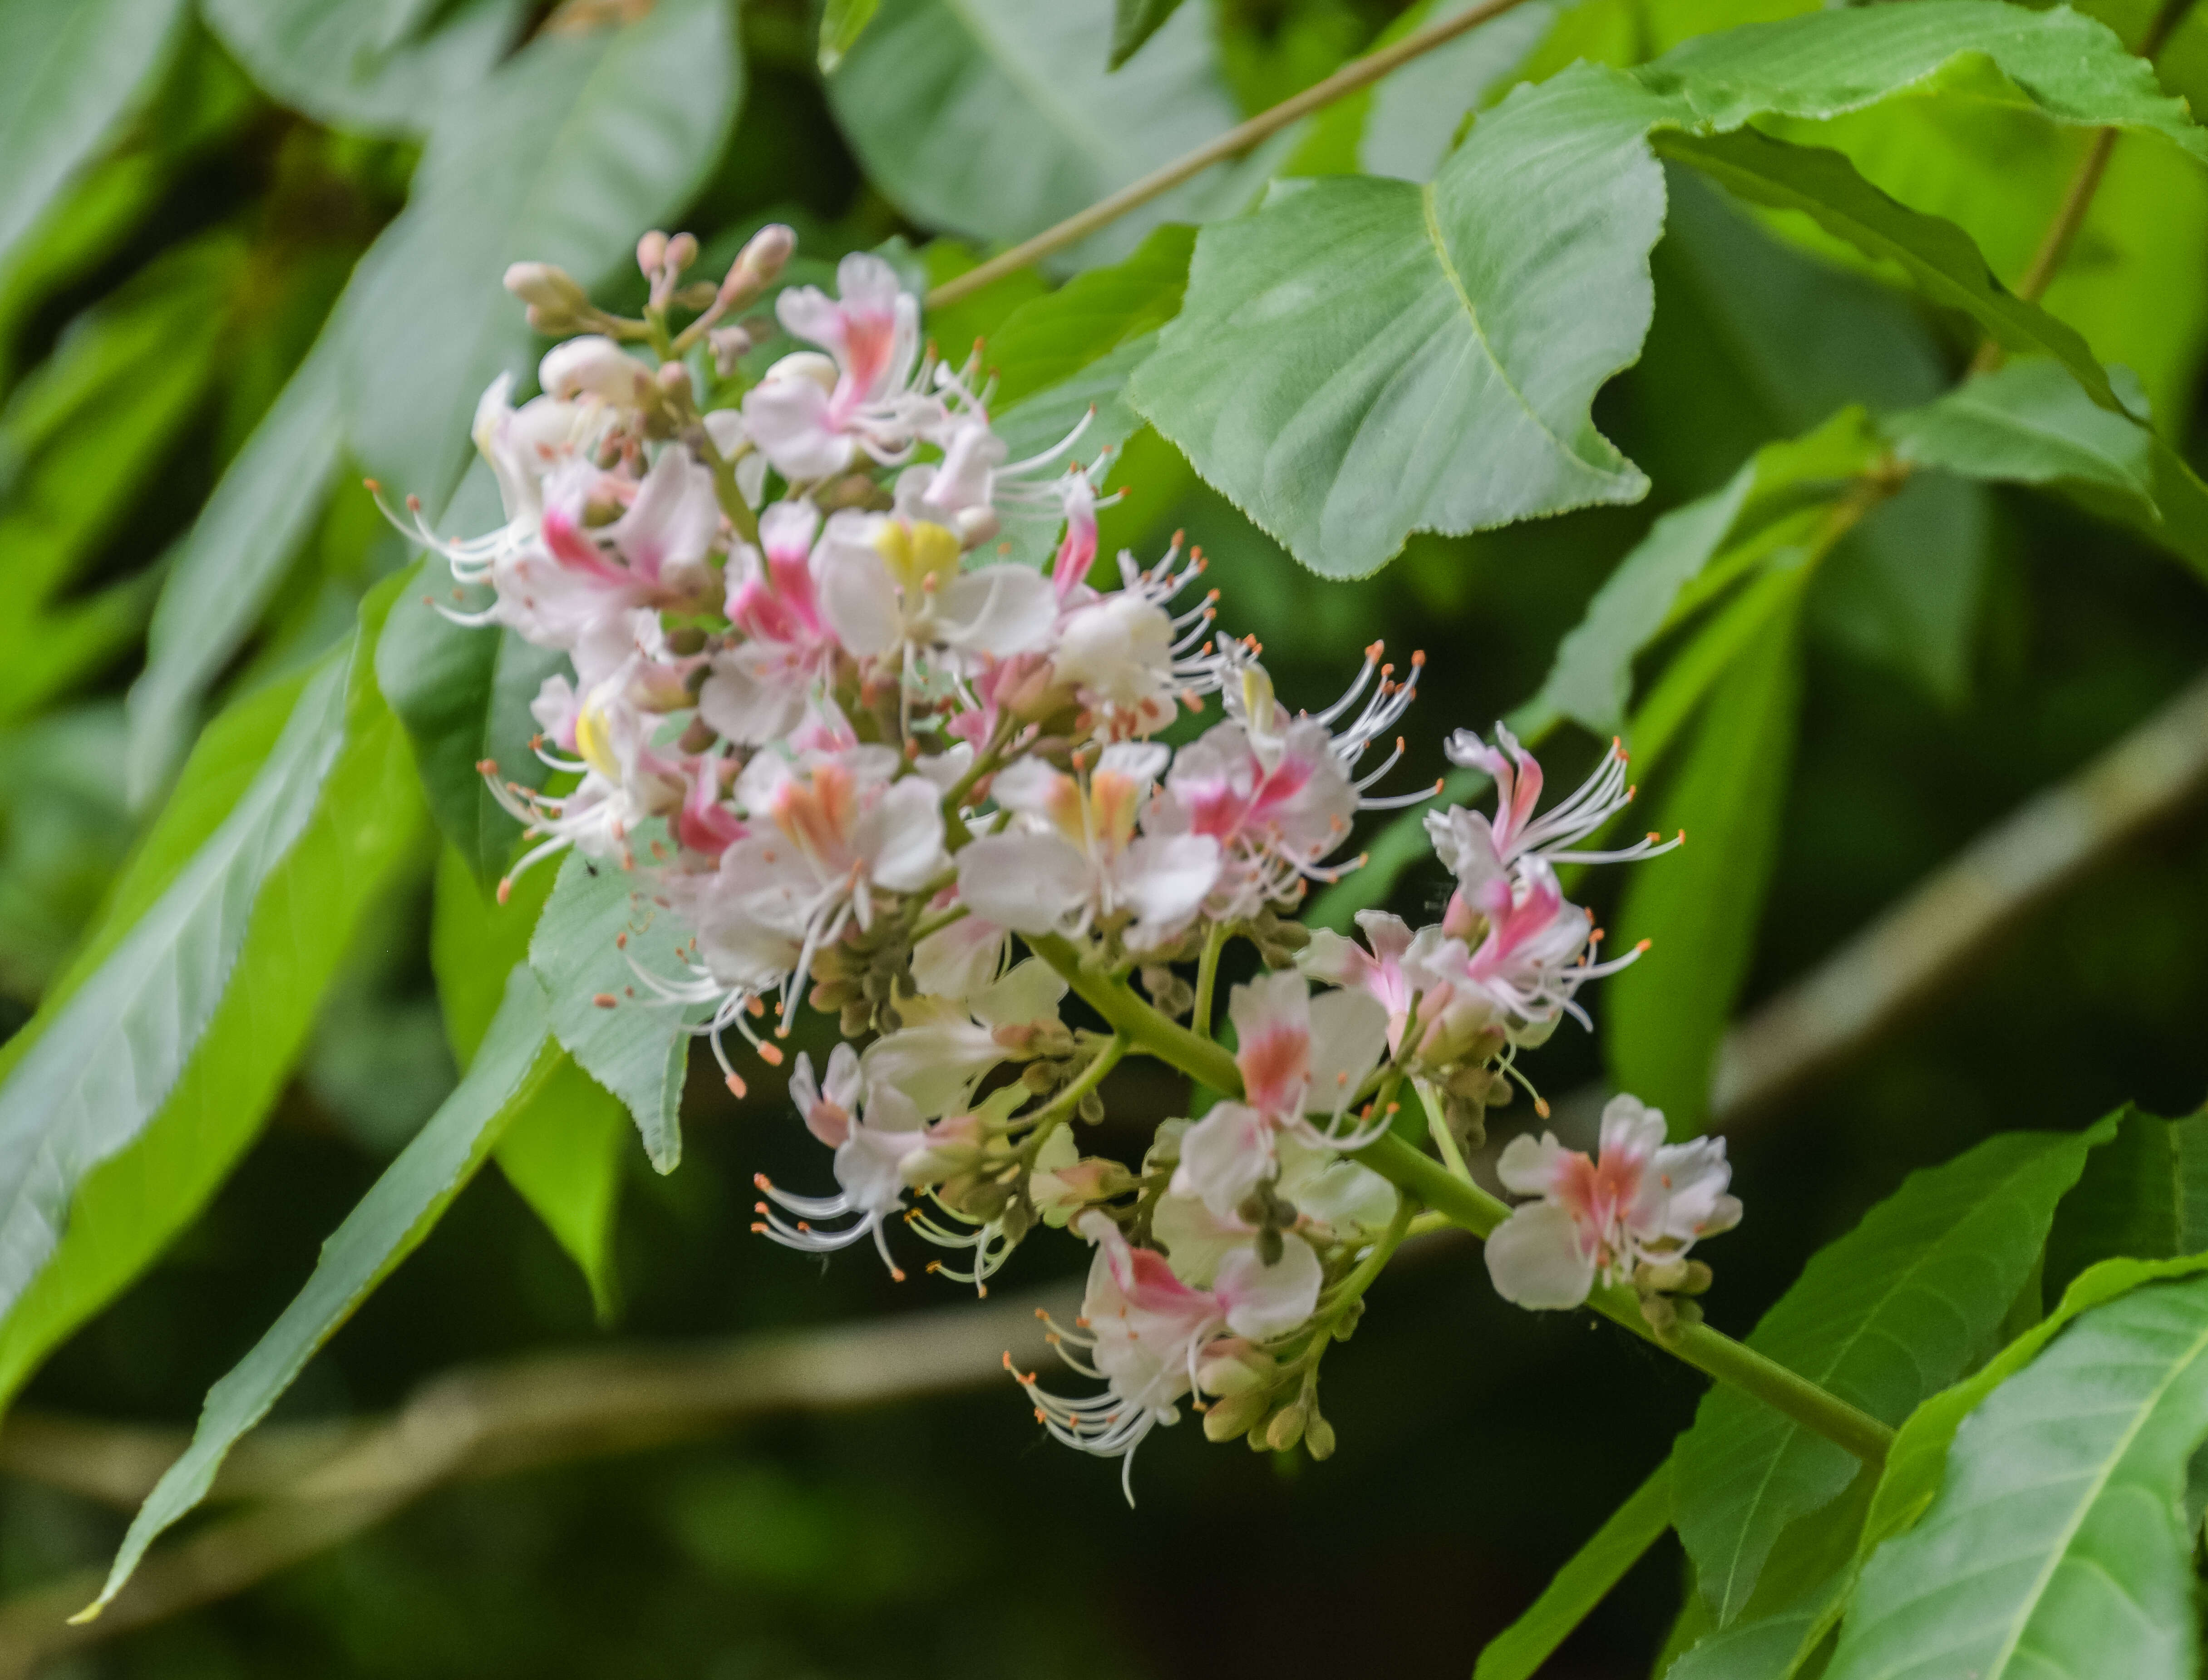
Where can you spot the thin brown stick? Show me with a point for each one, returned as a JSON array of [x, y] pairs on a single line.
[[1358, 72]]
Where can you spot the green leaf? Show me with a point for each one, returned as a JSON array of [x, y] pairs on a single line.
[[1799, 1598], [1518, 1651], [1361, 359], [388, 1224], [2027, 424], [563, 1153], [231, 561], [1046, 342], [1918, 1458], [1882, 1318], [993, 119], [128, 1097], [70, 77], [464, 694], [1776, 497], [2055, 1546], [2144, 1197], [560, 157], [1938, 256], [1133, 22], [602, 934], [841, 20], [1700, 906], [384, 67]]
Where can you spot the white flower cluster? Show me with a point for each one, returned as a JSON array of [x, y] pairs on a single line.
[[881, 754]]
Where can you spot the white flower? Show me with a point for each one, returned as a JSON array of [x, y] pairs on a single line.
[[944, 1047], [1074, 854], [1642, 1199], [892, 588]]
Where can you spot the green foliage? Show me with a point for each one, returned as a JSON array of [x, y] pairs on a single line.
[[1883, 1317], [516, 1057], [1518, 1651], [374, 66], [1356, 321], [1703, 909], [148, 1070], [993, 118], [1133, 22], [599, 939], [841, 20], [2144, 1196], [67, 78], [2056, 1545]]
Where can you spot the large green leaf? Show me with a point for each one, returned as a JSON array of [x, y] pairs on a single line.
[[841, 22], [387, 1224], [1361, 359], [563, 1153], [1046, 342], [1518, 1651], [1699, 907], [231, 562], [1133, 22], [68, 77], [2057, 1546], [377, 66], [993, 119], [560, 157], [600, 928], [1892, 1312], [152, 1067], [2144, 1197]]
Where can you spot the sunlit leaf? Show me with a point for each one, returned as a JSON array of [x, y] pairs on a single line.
[[2056, 1545], [1882, 1318], [387, 1226]]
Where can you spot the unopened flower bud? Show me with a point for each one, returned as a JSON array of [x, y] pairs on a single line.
[[674, 378], [547, 287], [592, 365], [974, 526], [1318, 1438], [728, 346], [1286, 1427], [651, 253], [757, 266], [1235, 1415], [1235, 1365], [805, 364], [682, 252]]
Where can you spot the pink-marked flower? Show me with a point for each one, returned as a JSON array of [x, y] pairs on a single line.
[[893, 589], [814, 415], [945, 1048], [1475, 849], [758, 688], [1335, 1199], [1072, 853], [1640, 1199], [1297, 1055], [1145, 1328], [827, 1105]]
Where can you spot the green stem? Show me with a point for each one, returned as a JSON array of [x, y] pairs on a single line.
[[1046, 1118], [1471, 1208], [1709, 1351], [1207, 978]]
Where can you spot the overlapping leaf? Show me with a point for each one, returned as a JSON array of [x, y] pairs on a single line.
[[1518, 1651], [1882, 1318], [2057, 1546], [1361, 359]]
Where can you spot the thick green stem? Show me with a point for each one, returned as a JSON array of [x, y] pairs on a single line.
[[1207, 978], [1471, 1207]]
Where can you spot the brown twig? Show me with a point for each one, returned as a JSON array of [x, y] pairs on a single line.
[[1358, 72]]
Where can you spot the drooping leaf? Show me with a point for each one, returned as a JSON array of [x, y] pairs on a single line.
[[1133, 22], [563, 1152], [388, 1224], [599, 945], [1361, 359], [560, 157], [231, 561], [152, 1067], [1937, 255], [2055, 1546], [2143, 1197], [993, 119], [70, 76], [1518, 1651], [841, 21], [385, 66], [1700, 906], [1882, 1318]]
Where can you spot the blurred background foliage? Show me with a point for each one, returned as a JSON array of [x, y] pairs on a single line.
[[174, 274]]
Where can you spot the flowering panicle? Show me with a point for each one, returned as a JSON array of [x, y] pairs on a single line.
[[865, 760]]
